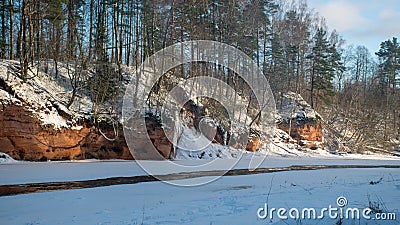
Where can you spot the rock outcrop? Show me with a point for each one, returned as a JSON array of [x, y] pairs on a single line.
[[35, 124], [297, 118], [253, 144], [23, 137]]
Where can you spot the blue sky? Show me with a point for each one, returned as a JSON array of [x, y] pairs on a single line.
[[361, 22]]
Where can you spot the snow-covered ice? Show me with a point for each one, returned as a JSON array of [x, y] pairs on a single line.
[[21, 172], [229, 200]]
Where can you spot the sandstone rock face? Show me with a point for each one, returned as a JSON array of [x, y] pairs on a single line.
[[298, 118], [26, 135], [23, 138], [253, 144], [308, 130], [158, 139], [36, 125]]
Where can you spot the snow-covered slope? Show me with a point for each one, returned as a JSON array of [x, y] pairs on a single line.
[[292, 106], [38, 94], [194, 145], [44, 96], [37, 125], [4, 158]]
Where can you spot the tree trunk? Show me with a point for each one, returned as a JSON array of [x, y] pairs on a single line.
[[71, 30], [3, 31], [23, 42], [11, 30]]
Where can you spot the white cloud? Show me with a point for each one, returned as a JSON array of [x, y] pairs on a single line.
[[389, 14], [342, 15], [361, 22]]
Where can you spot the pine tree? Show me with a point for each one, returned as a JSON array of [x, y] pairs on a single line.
[[389, 54], [325, 61]]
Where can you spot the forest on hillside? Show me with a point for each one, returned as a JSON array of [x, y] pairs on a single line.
[[357, 92]]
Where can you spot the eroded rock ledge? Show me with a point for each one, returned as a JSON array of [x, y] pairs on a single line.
[[24, 137]]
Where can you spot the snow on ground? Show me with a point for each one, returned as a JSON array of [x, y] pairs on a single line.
[[229, 200], [45, 93], [8, 99], [292, 106], [193, 144], [4, 158], [212, 151], [22, 172], [38, 92]]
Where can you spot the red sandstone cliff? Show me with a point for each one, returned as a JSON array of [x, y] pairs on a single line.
[[35, 125], [297, 118]]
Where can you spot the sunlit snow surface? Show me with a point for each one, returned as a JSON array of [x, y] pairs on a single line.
[[229, 200]]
